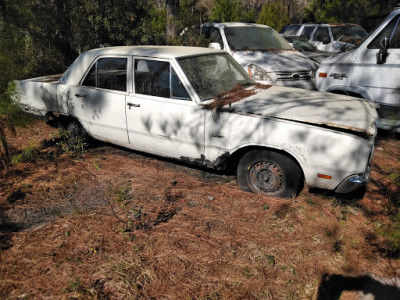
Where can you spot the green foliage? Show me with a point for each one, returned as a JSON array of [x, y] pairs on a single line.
[[59, 30], [75, 146], [274, 15], [392, 235], [229, 11], [29, 154], [327, 11], [10, 116], [154, 26], [265, 206], [8, 108], [123, 196]]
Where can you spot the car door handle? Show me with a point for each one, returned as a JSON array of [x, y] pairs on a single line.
[[133, 104], [80, 96]]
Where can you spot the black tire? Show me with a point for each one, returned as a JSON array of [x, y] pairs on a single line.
[[269, 173], [75, 129]]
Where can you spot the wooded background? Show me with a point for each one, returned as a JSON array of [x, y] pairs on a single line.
[[39, 37]]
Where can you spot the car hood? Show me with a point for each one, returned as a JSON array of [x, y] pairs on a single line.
[[343, 58], [311, 107], [271, 61], [318, 55]]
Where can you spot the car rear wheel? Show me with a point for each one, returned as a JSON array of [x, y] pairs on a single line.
[[75, 129], [269, 173]]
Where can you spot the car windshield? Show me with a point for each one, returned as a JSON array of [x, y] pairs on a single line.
[[254, 38], [348, 32], [214, 74], [301, 44]]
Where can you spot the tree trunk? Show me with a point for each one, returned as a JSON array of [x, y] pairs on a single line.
[[3, 139], [172, 15]]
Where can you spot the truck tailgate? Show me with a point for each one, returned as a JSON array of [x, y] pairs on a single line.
[[39, 95]]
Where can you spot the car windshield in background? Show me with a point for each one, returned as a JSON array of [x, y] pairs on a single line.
[[290, 29], [348, 32], [301, 44], [213, 74], [255, 39]]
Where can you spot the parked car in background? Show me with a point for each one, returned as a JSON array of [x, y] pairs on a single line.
[[304, 46], [333, 37], [290, 29], [199, 106], [370, 71], [263, 53]]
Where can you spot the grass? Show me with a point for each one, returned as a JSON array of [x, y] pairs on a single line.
[[160, 226], [75, 146], [30, 154]]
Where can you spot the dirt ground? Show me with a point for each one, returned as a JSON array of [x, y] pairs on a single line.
[[117, 224]]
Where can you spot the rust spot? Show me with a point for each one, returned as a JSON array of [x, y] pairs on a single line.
[[234, 95]]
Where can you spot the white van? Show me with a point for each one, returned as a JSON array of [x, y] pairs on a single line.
[[263, 53], [371, 71]]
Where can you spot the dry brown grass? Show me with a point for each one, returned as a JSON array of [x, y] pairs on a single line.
[[120, 225]]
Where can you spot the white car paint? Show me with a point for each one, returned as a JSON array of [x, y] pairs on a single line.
[[358, 73], [324, 134], [324, 37], [285, 66]]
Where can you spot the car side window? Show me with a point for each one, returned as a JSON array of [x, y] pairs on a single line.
[[322, 35], [216, 37], [108, 73], [307, 31], [158, 78], [392, 31]]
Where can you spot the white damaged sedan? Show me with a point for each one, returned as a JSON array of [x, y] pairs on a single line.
[[198, 105]]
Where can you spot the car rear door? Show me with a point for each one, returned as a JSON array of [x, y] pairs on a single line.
[[99, 101]]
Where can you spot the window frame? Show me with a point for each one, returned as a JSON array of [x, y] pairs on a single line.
[[95, 63], [321, 29], [305, 31], [375, 44], [173, 67]]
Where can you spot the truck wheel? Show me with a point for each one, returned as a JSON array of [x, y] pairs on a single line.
[[269, 173]]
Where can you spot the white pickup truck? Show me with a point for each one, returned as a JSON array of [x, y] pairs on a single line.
[[198, 105], [369, 71]]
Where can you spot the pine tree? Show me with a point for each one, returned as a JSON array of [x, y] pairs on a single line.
[[227, 10], [274, 15]]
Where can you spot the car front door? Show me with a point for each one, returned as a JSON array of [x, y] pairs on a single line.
[[380, 78], [161, 116]]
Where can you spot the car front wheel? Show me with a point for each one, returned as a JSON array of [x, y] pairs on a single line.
[[269, 173]]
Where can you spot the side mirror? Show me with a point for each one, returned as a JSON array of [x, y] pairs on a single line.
[[385, 43], [382, 55], [214, 46]]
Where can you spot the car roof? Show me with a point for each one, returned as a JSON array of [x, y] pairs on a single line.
[[78, 68], [325, 24], [166, 52], [238, 24]]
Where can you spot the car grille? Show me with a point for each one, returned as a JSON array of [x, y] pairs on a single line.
[[295, 75], [389, 111]]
